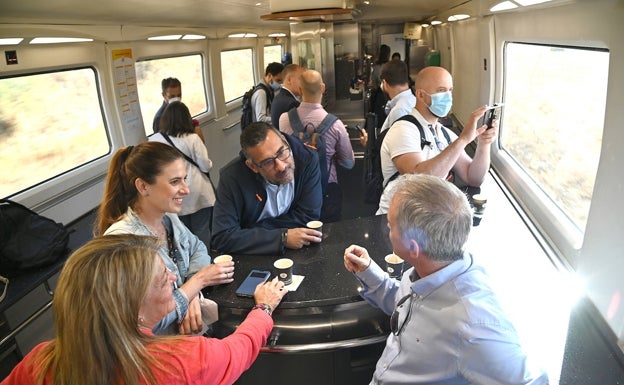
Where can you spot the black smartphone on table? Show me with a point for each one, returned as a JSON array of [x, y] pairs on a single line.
[[255, 277]]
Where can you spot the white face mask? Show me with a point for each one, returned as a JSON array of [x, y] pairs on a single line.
[[176, 99]]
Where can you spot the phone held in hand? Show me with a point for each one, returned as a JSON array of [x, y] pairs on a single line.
[[490, 115], [247, 288]]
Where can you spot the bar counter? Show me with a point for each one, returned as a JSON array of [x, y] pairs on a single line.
[[326, 311]]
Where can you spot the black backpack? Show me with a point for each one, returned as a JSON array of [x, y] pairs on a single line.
[[27, 239], [314, 139], [373, 176], [247, 115]]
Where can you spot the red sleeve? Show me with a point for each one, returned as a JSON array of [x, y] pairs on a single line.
[[21, 373], [211, 361]]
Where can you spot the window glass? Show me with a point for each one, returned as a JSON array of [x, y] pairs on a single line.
[[187, 69], [272, 53], [236, 72], [50, 123], [543, 126]]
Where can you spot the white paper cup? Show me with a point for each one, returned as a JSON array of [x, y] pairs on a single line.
[[222, 258], [283, 269]]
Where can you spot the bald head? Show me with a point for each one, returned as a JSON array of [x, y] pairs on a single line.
[[432, 79], [312, 86]]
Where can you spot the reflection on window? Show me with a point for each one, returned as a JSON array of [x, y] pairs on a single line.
[[150, 73], [272, 53], [553, 118], [237, 72], [50, 123]]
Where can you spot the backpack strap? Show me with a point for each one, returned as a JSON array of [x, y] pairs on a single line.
[[295, 122], [410, 118], [269, 92], [189, 159]]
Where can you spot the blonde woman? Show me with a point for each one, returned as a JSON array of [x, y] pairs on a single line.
[[110, 294]]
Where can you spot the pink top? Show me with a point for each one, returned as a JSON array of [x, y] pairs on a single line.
[[193, 360]]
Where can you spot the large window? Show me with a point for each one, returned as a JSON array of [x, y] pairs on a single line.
[[187, 69], [272, 53], [553, 118], [50, 123], [236, 72]]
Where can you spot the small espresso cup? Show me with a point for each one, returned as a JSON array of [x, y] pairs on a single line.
[[394, 265], [283, 268], [222, 258], [315, 225]]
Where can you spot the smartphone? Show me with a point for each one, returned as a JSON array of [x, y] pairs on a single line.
[[247, 288], [489, 115]]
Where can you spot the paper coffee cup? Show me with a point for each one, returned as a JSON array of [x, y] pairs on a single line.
[[316, 225], [222, 258], [394, 265], [283, 268]]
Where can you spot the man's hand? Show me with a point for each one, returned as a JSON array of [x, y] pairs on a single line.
[[356, 259], [301, 236]]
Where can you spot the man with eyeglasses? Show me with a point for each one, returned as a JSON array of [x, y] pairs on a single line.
[[447, 324], [401, 149], [267, 194]]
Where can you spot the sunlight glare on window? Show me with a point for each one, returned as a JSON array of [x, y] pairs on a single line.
[[50, 123], [237, 72], [543, 125], [187, 69]]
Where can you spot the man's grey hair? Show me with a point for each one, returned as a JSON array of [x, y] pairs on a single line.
[[435, 214]]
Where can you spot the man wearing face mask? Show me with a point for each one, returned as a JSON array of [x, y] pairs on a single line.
[[401, 149], [261, 99], [171, 92]]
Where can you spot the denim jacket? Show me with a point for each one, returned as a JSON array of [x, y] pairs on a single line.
[[192, 255]]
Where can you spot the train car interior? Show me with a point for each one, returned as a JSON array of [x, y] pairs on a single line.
[[82, 79]]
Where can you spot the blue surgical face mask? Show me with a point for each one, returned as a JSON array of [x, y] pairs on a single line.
[[174, 99], [441, 103], [276, 86]]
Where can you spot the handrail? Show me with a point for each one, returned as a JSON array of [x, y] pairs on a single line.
[[355, 342], [226, 128]]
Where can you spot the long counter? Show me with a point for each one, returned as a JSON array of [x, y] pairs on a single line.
[[325, 314]]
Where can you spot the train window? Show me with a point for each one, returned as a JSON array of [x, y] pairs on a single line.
[[150, 73], [545, 131], [272, 53], [39, 143], [237, 72]]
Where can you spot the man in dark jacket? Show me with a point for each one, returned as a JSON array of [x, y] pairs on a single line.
[[290, 94], [267, 194]]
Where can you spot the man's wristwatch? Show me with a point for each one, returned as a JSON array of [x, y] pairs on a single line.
[[284, 238], [265, 307]]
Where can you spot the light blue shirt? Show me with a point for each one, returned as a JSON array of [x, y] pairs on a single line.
[[401, 105], [192, 256], [279, 198], [453, 329]]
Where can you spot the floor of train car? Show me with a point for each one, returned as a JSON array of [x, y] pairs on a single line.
[[352, 112]]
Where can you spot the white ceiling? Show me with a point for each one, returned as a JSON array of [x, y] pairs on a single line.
[[195, 13]]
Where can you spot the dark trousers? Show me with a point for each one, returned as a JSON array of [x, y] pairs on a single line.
[[331, 211], [200, 224]]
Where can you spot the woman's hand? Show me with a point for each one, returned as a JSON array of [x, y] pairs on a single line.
[[217, 273], [192, 322], [270, 292]]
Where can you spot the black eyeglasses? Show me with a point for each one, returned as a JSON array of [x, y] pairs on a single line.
[[400, 314], [282, 155]]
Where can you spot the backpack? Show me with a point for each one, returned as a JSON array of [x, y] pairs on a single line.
[[373, 175], [27, 239], [247, 115], [314, 139]]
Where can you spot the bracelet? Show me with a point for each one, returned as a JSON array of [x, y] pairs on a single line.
[[265, 307]]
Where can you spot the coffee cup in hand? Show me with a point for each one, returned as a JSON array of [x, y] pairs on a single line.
[[222, 258], [394, 265]]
